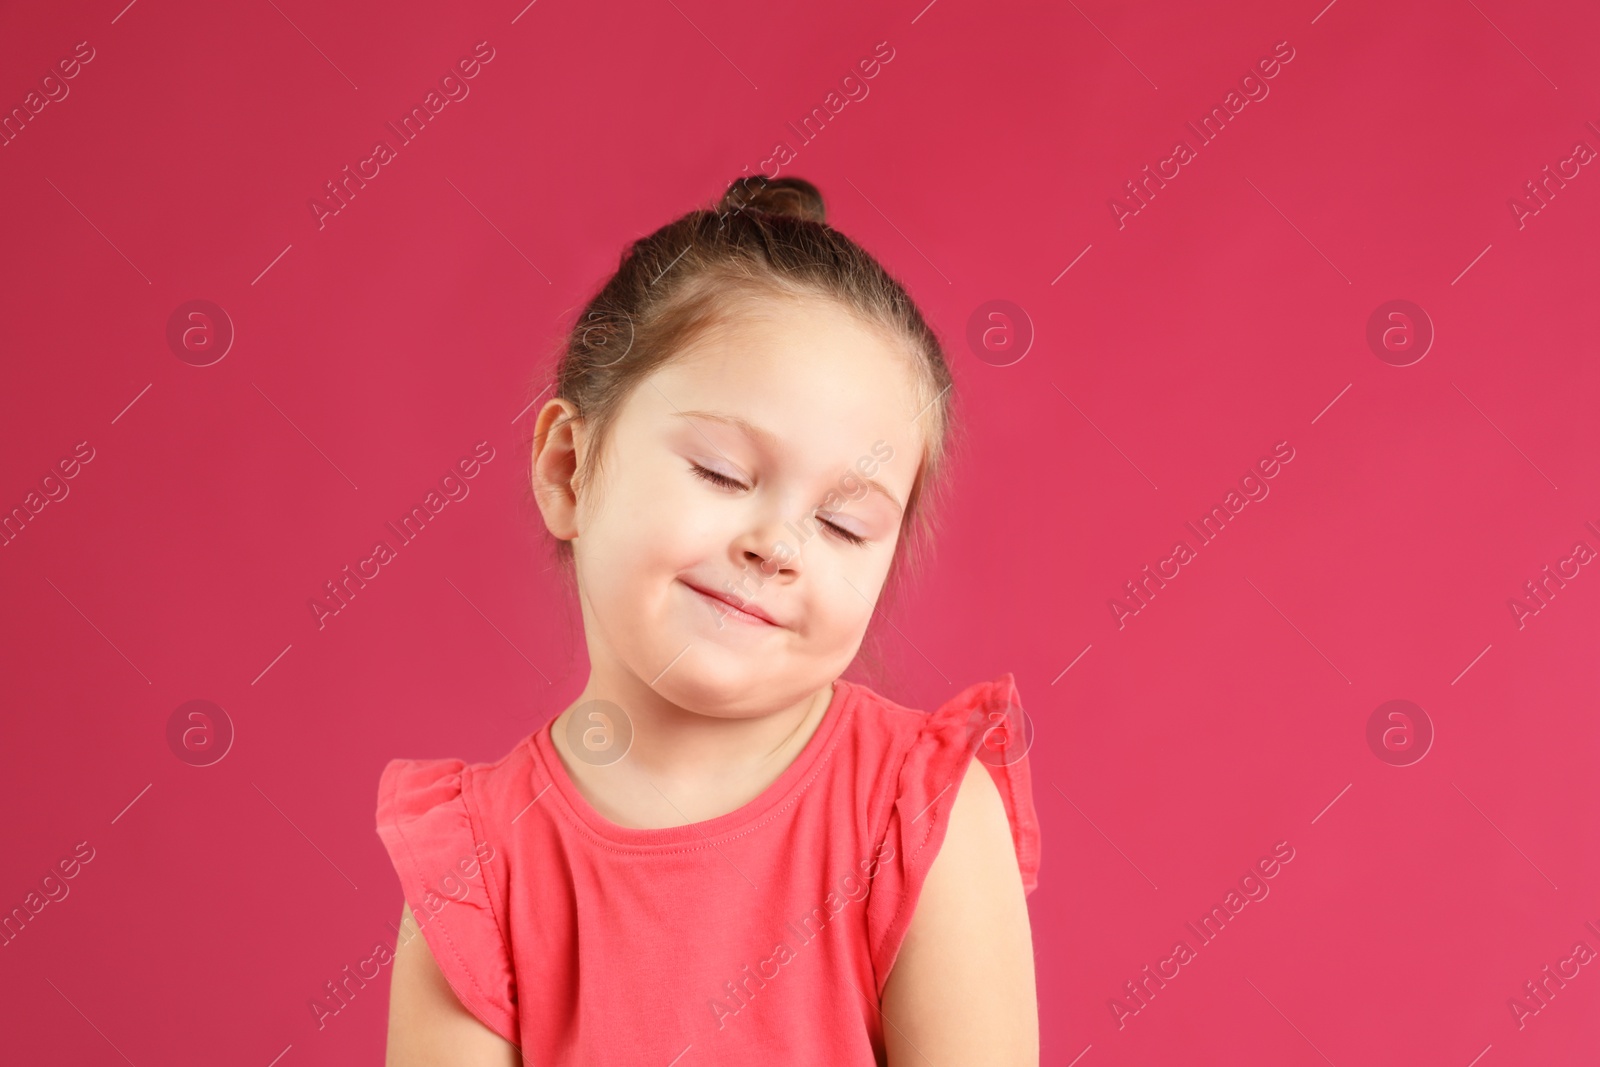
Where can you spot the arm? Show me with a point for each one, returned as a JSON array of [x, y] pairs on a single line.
[[962, 986], [428, 1026]]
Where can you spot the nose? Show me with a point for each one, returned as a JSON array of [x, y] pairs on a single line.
[[772, 551], [782, 562]]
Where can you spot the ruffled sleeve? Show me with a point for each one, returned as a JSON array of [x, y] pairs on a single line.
[[454, 879], [984, 720]]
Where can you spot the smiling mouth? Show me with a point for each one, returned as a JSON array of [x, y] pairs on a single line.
[[731, 610]]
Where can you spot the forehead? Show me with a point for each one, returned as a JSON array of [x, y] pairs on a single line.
[[823, 385]]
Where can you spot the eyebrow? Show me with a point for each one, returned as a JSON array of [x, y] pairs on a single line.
[[770, 440]]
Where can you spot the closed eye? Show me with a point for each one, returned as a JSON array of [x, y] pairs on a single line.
[[725, 482], [716, 479], [852, 538]]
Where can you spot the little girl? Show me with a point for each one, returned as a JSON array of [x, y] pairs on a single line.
[[721, 852]]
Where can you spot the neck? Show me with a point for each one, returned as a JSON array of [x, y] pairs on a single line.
[[677, 745]]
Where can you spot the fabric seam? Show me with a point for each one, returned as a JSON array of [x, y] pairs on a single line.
[[479, 825], [911, 859], [479, 996], [823, 759]]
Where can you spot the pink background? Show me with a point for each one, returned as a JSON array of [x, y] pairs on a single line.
[[1227, 315]]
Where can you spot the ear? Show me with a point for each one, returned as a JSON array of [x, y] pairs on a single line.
[[558, 444]]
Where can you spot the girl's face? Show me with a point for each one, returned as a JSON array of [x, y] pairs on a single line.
[[744, 469]]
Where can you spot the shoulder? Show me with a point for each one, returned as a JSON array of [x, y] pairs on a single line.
[[893, 740], [956, 961], [960, 717], [927, 756], [970, 751], [445, 826], [962, 987], [411, 791]]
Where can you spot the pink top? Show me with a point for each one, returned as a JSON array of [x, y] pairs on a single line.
[[761, 936]]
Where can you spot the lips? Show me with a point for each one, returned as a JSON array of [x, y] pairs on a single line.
[[745, 612]]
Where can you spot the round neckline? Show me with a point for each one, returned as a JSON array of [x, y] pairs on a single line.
[[779, 791]]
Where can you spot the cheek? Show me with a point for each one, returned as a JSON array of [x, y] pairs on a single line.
[[846, 585], [648, 527]]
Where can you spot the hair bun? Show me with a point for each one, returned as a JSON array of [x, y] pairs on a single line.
[[795, 197]]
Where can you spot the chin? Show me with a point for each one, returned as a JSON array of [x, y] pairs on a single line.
[[717, 683], [714, 679]]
